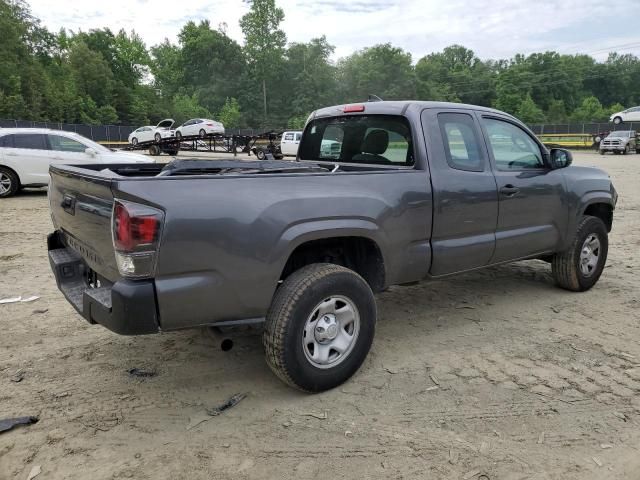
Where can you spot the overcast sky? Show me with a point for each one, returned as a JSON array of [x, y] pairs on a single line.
[[492, 28]]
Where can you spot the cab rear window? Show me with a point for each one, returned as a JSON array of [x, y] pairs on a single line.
[[364, 139]]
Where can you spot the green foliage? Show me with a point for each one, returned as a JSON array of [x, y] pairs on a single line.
[[230, 113], [297, 122], [99, 76], [529, 112], [590, 110]]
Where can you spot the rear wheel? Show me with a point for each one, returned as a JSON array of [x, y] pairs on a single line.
[[320, 327], [202, 133], [260, 154], [9, 183], [580, 266]]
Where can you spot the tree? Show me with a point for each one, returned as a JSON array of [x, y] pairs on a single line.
[[529, 112], [264, 43], [382, 70], [230, 113], [590, 110]]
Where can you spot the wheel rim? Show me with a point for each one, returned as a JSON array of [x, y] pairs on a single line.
[[5, 183], [331, 331], [134, 141], [203, 133], [589, 255]]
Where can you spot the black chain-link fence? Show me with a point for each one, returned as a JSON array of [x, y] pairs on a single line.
[[112, 133], [120, 133], [574, 128]]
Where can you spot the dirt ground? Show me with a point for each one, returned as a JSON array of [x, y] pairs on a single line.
[[491, 375]]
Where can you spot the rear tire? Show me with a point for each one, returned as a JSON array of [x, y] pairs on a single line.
[[260, 155], [202, 133], [9, 183], [580, 266], [319, 327]]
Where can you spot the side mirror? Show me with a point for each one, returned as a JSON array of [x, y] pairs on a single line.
[[90, 151], [560, 158]]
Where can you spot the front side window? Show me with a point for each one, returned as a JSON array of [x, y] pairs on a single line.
[[461, 141], [64, 144], [512, 147], [288, 136], [365, 139], [30, 141]]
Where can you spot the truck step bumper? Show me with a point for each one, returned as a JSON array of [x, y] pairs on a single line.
[[125, 307]]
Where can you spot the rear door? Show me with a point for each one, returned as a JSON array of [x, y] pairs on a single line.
[[532, 209], [30, 153], [465, 210], [287, 145]]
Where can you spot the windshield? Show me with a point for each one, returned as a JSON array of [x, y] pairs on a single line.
[[366, 139], [620, 134]]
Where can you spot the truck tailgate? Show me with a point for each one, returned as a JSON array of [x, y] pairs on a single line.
[[81, 203]]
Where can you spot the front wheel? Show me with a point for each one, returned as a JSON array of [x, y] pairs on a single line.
[[601, 152], [580, 266], [260, 155], [626, 150], [179, 135], [157, 137], [134, 141], [202, 133], [320, 327], [617, 120]]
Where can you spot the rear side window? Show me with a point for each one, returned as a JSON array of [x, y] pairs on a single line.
[[298, 137], [365, 139], [30, 141], [6, 141], [461, 141]]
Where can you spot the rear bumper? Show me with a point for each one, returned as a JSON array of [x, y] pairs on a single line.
[[125, 307]]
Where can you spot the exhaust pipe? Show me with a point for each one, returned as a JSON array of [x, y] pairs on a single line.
[[218, 336]]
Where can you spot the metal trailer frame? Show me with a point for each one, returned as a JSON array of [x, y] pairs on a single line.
[[212, 143]]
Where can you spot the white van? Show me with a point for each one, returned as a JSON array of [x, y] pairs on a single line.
[[290, 142]]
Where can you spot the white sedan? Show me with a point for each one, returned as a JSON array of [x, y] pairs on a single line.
[[152, 134], [26, 153], [200, 127], [628, 115]]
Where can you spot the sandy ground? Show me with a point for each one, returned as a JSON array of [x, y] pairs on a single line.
[[491, 375]]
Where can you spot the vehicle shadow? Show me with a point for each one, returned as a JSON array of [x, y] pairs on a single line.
[[192, 363]]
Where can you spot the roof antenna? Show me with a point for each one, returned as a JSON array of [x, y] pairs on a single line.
[[373, 98]]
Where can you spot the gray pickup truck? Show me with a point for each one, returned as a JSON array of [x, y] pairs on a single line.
[[407, 191], [620, 142]]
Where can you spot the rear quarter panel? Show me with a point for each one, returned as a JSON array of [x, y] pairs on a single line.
[[226, 239]]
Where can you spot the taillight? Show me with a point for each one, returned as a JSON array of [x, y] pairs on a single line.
[[353, 108], [136, 234], [209, 124]]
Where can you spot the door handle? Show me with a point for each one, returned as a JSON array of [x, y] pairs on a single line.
[[509, 190]]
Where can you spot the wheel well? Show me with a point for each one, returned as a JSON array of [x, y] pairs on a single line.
[[12, 171], [603, 211], [359, 254]]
